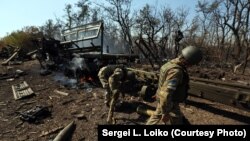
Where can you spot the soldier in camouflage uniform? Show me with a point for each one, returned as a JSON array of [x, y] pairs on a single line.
[[119, 83], [173, 87], [111, 79], [104, 74], [115, 80]]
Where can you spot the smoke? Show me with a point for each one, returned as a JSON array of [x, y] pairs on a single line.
[[73, 72], [65, 81], [76, 67], [77, 63]]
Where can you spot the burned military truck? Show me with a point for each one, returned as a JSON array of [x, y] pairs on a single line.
[[82, 51], [84, 46]]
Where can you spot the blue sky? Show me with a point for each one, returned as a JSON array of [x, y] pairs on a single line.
[[16, 14]]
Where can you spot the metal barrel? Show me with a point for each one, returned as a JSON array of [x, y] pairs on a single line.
[[144, 111]]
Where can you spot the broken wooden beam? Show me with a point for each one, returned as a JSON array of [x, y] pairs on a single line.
[[226, 84], [230, 96], [61, 93], [9, 59]]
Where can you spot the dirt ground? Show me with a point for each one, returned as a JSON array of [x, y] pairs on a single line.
[[86, 107]]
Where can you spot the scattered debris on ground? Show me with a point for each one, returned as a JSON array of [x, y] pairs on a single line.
[[84, 106]]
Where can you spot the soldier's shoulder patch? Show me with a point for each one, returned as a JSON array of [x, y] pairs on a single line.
[[172, 84]]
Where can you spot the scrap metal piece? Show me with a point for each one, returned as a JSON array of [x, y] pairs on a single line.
[[33, 115], [21, 90]]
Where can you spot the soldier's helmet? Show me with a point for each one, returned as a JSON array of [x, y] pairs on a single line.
[[192, 54]]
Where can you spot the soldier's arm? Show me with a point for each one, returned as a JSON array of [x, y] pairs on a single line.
[[173, 79], [115, 81], [102, 78]]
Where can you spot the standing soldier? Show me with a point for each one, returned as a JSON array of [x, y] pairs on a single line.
[[173, 86], [178, 37]]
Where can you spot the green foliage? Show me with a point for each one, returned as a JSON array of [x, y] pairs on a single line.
[[22, 38], [2, 44]]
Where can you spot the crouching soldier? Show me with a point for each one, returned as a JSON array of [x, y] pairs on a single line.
[[119, 83], [115, 82], [104, 74]]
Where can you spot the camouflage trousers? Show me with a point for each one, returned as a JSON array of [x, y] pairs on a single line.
[[113, 102], [107, 96], [176, 117]]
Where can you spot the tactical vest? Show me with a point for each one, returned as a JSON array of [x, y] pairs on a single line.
[[181, 92]]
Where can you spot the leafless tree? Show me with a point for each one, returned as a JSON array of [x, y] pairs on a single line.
[[51, 29], [69, 16], [83, 13], [119, 12], [234, 19], [246, 36], [149, 26]]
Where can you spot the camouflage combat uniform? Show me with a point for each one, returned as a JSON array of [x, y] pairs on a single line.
[[115, 82], [172, 89], [104, 74]]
